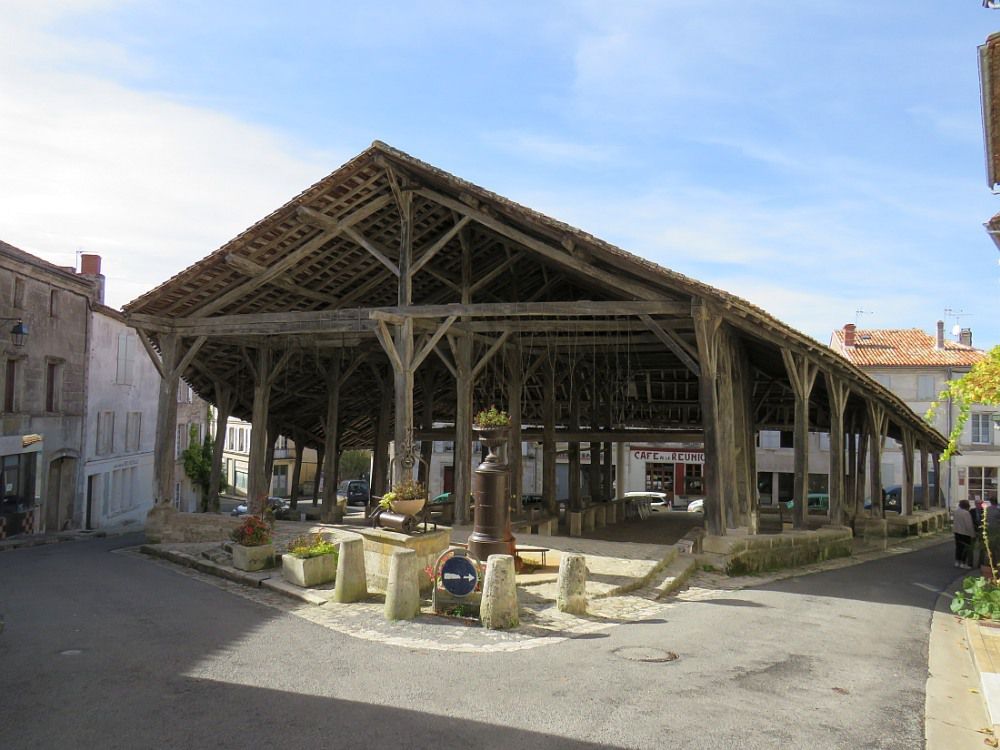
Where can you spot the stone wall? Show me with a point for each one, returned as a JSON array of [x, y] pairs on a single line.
[[380, 545], [764, 552], [164, 525]]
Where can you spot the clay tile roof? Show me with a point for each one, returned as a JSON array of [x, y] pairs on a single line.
[[903, 347]]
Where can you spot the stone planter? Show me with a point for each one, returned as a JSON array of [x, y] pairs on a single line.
[[251, 559], [408, 507], [309, 571]]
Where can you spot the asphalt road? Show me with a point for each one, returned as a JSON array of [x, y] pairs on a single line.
[[109, 650]]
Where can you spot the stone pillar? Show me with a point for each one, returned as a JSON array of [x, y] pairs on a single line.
[[498, 609], [402, 592], [571, 594]]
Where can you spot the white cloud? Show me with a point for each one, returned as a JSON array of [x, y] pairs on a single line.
[[150, 184], [545, 148]]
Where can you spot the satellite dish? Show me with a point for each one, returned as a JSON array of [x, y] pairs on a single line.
[[956, 329]]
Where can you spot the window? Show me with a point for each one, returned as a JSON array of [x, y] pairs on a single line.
[[279, 482], [787, 439], [182, 439], [770, 439], [184, 393], [982, 429], [230, 438], [18, 292], [660, 477], [9, 385], [281, 444], [105, 433], [824, 441], [926, 390], [53, 303], [133, 430], [982, 483], [126, 359], [53, 386], [241, 437], [692, 480]]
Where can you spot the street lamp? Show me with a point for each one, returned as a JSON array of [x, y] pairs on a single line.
[[19, 331]]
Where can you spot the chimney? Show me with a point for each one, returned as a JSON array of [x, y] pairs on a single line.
[[90, 266], [849, 329], [940, 335], [965, 337]]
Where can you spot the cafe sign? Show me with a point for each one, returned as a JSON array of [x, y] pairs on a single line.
[[670, 457]]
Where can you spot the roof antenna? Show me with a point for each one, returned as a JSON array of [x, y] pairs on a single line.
[[858, 313], [956, 329]]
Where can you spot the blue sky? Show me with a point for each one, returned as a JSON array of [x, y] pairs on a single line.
[[815, 160]]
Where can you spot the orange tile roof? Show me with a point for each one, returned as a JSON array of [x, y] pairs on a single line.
[[902, 347]]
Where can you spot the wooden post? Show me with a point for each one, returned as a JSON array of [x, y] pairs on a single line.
[[594, 467], [837, 394], [850, 491], [320, 458], [166, 421], [936, 488], [272, 438], [331, 508], [427, 422], [728, 439], [706, 328], [223, 407], [462, 349], [264, 370], [293, 496], [861, 474], [380, 462], [924, 478], [514, 459], [573, 449], [549, 440], [608, 424], [878, 424], [906, 494], [802, 375]]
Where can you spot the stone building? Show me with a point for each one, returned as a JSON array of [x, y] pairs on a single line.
[[915, 366], [236, 462]]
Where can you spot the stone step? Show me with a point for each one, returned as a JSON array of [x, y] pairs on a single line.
[[675, 576]]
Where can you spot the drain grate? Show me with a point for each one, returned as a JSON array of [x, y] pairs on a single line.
[[645, 654]]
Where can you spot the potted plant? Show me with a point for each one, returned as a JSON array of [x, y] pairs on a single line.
[[252, 547], [406, 498], [492, 425], [309, 561]]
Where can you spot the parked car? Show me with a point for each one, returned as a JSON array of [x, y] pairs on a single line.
[[277, 505], [354, 492], [818, 502], [657, 500], [697, 506], [894, 498], [532, 501]]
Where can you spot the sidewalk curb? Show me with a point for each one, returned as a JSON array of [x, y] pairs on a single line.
[[76, 535], [987, 667]]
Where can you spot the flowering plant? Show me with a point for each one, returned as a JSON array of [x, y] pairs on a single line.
[[311, 545], [492, 417], [253, 531], [408, 489]]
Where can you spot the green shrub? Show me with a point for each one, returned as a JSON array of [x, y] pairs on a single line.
[[311, 545], [979, 599]]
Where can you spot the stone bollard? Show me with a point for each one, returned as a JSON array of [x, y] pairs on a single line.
[[572, 594], [402, 591], [352, 583], [576, 524], [498, 609]]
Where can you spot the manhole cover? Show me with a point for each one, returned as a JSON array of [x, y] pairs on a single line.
[[71, 652], [644, 653]]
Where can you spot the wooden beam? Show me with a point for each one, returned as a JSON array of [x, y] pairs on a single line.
[[385, 339], [376, 251], [432, 342], [439, 244], [253, 269], [557, 255], [484, 360], [292, 258], [495, 271], [154, 356], [577, 308], [669, 341]]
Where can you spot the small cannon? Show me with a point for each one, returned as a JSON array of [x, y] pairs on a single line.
[[386, 519]]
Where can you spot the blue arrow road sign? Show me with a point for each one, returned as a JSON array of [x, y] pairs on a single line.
[[459, 576]]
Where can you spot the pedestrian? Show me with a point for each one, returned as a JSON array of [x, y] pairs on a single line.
[[964, 529], [992, 520]]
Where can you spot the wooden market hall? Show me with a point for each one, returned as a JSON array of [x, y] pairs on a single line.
[[391, 298]]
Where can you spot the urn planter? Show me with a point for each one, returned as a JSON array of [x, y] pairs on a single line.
[[309, 571], [252, 559], [408, 507]]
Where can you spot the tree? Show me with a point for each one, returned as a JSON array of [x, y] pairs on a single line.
[[980, 385], [354, 464], [197, 459]]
